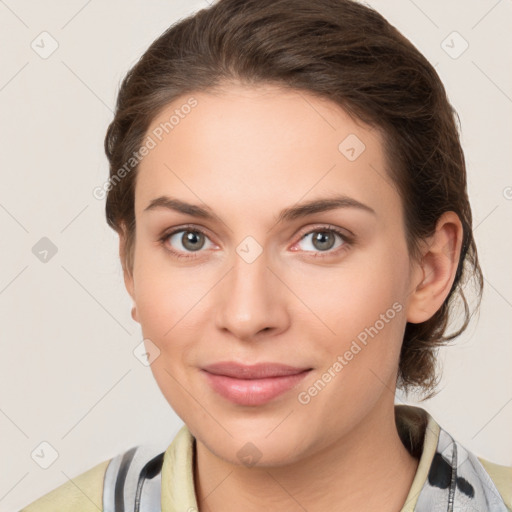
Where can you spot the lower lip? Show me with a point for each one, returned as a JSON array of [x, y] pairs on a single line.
[[253, 391]]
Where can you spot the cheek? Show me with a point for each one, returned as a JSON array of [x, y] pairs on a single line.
[[360, 314], [355, 297], [167, 315], [164, 294], [172, 311]]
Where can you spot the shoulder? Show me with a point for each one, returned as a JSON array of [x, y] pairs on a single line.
[[131, 476], [443, 475], [83, 493], [502, 478]]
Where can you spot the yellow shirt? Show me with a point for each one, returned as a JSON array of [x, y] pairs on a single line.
[[84, 493]]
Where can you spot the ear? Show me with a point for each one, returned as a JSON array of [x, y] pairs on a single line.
[[437, 270]]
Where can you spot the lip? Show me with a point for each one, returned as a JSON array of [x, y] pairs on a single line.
[[253, 371], [252, 384]]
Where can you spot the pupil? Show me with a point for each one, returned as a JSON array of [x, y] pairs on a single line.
[[322, 238], [192, 238]]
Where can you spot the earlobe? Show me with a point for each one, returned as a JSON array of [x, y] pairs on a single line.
[[438, 268]]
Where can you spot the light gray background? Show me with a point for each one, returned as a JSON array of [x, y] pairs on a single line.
[[68, 375]]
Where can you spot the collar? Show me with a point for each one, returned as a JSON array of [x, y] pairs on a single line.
[[448, 477]]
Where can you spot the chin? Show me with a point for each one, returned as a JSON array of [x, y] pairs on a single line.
[[252, 449]]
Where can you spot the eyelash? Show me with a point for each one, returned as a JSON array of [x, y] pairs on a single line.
[[348, 240]]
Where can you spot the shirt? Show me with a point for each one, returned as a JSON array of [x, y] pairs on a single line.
[[142, 479]]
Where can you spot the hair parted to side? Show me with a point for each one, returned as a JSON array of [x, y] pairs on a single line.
[[339, 50]]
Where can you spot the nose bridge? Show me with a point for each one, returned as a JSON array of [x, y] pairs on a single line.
[[248, 281], [249, 300]]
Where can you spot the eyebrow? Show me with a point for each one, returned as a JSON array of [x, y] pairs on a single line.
[[288, 214]]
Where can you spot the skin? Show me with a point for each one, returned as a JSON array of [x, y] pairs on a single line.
[[247, 153]]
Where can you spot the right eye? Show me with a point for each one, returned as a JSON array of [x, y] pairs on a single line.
[[180, 241]]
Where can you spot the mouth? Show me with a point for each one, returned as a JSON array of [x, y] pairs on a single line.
[[252, 385]]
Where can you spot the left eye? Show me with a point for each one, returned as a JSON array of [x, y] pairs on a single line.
[[322, 240]]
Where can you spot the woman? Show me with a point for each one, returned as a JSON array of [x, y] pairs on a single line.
[[289, 189]]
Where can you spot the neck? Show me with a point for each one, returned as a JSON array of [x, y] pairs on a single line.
[[368, 469]]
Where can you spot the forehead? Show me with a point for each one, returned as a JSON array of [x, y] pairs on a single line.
[[249, 146]]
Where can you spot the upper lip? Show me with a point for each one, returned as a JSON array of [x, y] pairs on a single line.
[[254, 371]]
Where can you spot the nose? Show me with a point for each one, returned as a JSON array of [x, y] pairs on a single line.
[[251, 299]]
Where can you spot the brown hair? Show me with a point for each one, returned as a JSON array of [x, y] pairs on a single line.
[[340, 50]]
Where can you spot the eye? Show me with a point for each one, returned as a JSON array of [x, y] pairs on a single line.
[[323, 240], [184, 240]]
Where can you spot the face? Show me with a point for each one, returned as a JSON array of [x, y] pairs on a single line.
[[254, 278]]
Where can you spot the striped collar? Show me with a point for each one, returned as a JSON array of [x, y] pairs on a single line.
[[449, 478]]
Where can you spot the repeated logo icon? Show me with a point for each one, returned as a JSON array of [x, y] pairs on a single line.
[[44, 45], [249, 454], [249, 249], [44, 454], [454, 45], [351, 147], [146, 352], [44, 250]]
